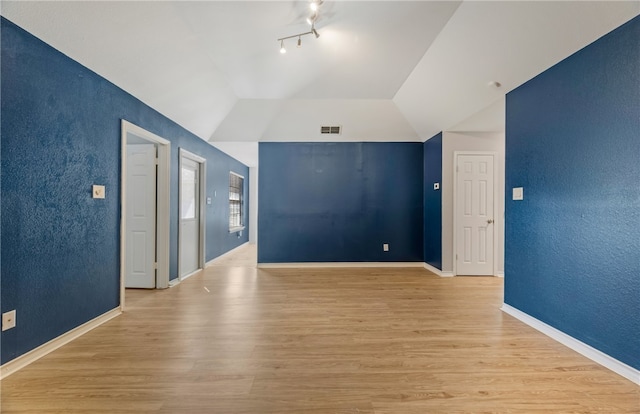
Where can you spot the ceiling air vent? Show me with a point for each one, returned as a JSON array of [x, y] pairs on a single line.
[[330, 129]]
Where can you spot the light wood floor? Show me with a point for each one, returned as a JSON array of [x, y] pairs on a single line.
[[384, 341]]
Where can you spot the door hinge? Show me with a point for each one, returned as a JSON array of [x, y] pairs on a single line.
[[155, 265], [156, 161]]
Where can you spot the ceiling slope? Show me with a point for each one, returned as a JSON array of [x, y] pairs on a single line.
[[509, 42], [383, 70]]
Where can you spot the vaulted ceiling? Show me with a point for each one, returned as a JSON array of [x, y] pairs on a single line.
[[383, 70]]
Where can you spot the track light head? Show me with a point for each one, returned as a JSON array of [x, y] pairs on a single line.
[[299, 41], [312, 19], [315, 32], [314, 5], [282, 48]]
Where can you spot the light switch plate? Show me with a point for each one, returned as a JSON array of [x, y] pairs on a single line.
[[209, 200], [436, 186], [385, 247], [8, 320], [98, 191], [518, 193]]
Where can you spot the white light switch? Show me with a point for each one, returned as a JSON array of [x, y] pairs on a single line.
[[98, 191], [518, 193], [436, 186], [385, 247], [209, 200]]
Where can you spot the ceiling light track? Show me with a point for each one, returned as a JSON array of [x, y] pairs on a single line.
[[315, 9]]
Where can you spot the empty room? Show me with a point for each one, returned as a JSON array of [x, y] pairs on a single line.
[[320, 206]]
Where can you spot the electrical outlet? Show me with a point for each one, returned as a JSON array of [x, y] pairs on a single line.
[[436, 186], [8, 320], [385, 247]]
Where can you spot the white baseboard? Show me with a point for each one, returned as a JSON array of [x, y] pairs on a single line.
[[174, 282], [223, 255], [500, 273], [44, 349], [437, 271], [187, 276], [580, 347], [339, 264]]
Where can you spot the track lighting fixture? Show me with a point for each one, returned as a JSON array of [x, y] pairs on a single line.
[[312, 19], [314, 5]]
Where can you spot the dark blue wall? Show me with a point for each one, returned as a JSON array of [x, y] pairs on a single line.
[[339, 202], [433, 201], [572, 255], [60, 128]]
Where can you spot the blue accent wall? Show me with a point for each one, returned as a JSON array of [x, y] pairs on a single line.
[[60, 126], [339, 202], [572, 256], [433, 201]]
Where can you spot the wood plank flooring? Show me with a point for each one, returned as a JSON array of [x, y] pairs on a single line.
[[323, 341]]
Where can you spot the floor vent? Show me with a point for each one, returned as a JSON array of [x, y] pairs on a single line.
[[330, 130]]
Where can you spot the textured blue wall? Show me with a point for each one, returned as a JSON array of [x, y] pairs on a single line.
[[572, 255], [433, 201], [60, 128], [339, 202]]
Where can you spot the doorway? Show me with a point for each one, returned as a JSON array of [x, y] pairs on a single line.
[[191, 240], [144, 240], [474, 213]]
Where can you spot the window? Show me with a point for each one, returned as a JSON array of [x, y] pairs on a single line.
[[236, 188]]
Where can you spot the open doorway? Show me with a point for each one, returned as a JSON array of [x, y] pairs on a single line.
[[144, 237]]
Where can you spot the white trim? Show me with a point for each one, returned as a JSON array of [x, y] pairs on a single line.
[[236, 229], [500, 273], [496, 199], [44, 349], [202, 177], [188, 275], [312, 265], [174, 282], [580, 347], [163, 194], [223, 255], [437, 271]]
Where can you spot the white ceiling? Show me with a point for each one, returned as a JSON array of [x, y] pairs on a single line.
[[383, 70]]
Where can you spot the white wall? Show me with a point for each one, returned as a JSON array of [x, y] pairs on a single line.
[[470, 141]]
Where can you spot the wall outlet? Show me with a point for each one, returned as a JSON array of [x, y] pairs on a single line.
[[436, 186], [8, 320], [385, 247]]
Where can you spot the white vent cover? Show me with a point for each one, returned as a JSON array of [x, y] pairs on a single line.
[[330, 130]]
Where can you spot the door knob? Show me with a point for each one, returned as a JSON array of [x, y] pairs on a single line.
[[490, 221]]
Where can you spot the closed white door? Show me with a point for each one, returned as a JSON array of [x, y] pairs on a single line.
[[474, 214], [140, 241], [189, 217]]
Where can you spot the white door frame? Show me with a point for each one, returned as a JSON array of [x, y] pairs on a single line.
[[162, 216], [455, 206], [203, 194]]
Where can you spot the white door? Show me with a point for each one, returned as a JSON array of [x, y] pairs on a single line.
[[141, 216], [189, 217], [474, 214]]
